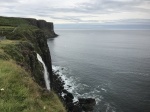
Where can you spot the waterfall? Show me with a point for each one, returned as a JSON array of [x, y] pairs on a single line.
[[46, 78]]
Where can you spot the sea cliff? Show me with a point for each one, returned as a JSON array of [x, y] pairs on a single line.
[[20, 41], [22, 85]]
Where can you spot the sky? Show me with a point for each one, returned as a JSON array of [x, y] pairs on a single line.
[[80, 11]]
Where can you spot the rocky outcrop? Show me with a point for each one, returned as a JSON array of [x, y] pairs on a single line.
[[47, 27], [42, 24], [83, 104]]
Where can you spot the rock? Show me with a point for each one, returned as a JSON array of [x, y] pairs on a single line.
[[68, 97], [87, 104], [70, 106], [47, 27], [40, 23], [43, 24], [65, 91], [77, 108]]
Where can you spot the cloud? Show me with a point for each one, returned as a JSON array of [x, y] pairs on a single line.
[[75, 11], [109, 6]]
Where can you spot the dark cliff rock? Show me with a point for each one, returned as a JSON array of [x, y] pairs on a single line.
[[43, 24], [40, 23], [45, 53], [47, 27], [82, 105]]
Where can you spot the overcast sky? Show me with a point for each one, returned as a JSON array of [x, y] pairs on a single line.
[[80, 11]]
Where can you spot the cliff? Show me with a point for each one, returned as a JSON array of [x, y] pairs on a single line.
[[47, 27], [22, 85], [20, 41]]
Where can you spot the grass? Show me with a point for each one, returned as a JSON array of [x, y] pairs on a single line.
[[11, 21], [19, 93], [8, 25], [4, 30], [3, 44]]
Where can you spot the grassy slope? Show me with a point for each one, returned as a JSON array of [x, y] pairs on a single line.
[[22, 94], [18, 91]]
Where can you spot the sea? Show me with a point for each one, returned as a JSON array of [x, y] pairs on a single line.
[[112, 66]]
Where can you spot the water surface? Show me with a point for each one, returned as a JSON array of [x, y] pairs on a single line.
[[112, 66]]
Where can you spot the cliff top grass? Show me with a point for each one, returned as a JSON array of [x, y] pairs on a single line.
[[3, 44], [11, 25], [11, 21], [19, 93]]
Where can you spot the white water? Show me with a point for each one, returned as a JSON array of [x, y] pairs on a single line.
[[46, 78], [72, 85]]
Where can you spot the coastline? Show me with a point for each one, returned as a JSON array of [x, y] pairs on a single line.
[[26, 38], [73, 104]]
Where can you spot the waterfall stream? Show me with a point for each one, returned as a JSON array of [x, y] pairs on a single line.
[[46, 77]]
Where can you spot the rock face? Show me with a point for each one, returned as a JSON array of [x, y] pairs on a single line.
[[47, 27], [40, 23], [43, 24], [45, 53]]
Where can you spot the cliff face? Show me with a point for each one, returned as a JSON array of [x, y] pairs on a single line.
[[31, 34], [21, 74], [42, 24], [47, 27], [45, 53]]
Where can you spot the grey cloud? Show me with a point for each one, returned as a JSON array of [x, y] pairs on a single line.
[[97, 7], [103, 6], [132, 21], [87, 9], [67, 18], [8, 1]]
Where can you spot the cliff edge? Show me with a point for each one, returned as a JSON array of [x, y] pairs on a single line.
[[46, 27], [22, 85]]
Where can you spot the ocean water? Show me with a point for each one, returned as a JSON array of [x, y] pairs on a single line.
[[112, 66]]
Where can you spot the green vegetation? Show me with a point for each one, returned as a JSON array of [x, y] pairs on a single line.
[[4, 30], [7, 25], [11, 21], [20, 72], [19, 93]]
